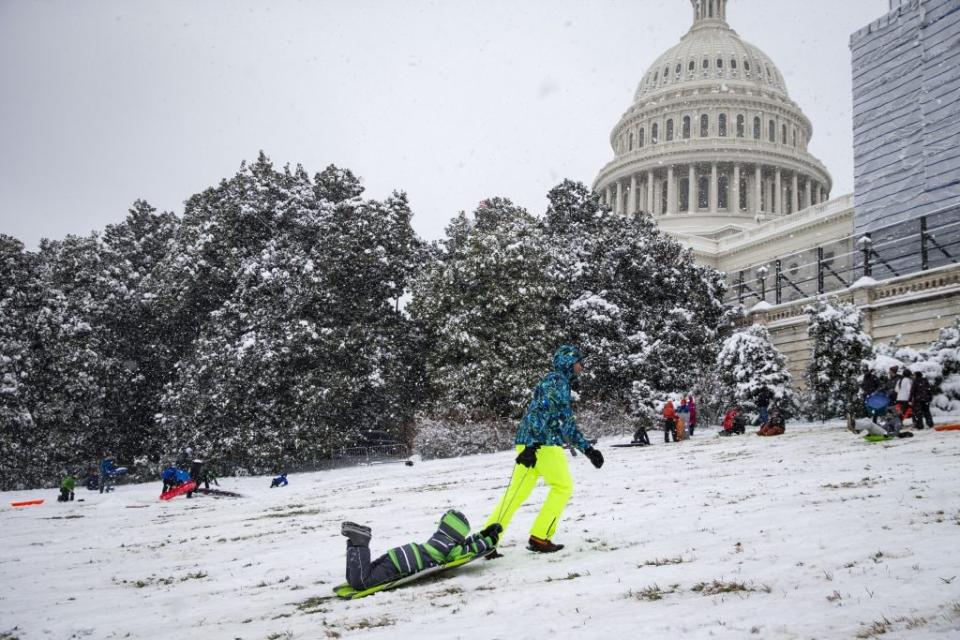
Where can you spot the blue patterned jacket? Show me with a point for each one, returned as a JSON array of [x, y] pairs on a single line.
[[549, 419]]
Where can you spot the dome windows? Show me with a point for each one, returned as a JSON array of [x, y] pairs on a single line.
[[656, 76], [783, 134], [756, 128], [630, 142], [733, 63], [679, 69], [686, 127], [722, 125], [666, 73], [706, 63], [704, 125], [692, 66], [772, 131], [670, 130], [720, 63], [654, 133], [640, 140], [741, 126]]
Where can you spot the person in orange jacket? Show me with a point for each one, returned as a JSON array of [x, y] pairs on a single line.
[[669, 422]]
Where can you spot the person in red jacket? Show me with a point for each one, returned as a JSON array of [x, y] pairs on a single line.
[[669, 422]]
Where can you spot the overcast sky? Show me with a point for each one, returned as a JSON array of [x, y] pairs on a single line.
[[103, 102]]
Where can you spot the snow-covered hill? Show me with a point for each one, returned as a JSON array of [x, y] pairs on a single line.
[[814, 534]]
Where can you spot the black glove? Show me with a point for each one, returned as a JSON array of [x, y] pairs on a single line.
[[596, 458], [493, 532], [528, 457]]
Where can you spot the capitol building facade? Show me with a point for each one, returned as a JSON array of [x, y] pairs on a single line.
[[712, 144], [714, 148]]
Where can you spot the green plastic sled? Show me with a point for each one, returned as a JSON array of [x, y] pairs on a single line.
[[347, 592]]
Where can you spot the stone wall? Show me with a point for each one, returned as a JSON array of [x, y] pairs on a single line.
[[914, 307]]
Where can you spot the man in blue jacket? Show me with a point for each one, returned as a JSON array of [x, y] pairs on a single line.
[[547, 425]]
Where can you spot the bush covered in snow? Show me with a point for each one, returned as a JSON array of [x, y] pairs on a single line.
[[449, 438], [748, 364], [840, 348]]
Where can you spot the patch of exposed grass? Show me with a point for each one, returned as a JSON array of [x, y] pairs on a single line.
[[313, 605], [570, 576], [652, 593], [198, 575], [659, 562], [371, 623], [718, 586], [863, 482], [289, 514]]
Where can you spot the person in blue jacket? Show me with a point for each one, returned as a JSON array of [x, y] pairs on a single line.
[[547, 425], [279, 481], [109, 471], [173, 477]]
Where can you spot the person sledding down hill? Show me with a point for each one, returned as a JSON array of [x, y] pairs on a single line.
[[547, 425], [734, 422], [775, 425], [452, 541]]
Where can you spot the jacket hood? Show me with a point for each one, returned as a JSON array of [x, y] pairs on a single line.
[[565, 357]]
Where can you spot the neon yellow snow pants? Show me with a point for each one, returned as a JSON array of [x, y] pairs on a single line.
[[552, 466]]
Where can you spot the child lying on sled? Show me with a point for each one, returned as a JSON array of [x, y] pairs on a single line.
[[451, 542]]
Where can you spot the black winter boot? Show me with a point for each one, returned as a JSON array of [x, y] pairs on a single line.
[[542, 546], [358, 534]]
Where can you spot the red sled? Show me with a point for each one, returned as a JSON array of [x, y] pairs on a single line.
[[186, 487], [26, 503]]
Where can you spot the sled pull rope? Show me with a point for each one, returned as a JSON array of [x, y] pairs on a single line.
[[506, 505]]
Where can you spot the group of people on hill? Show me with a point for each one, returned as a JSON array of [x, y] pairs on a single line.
[[901, 395], [679, 422]]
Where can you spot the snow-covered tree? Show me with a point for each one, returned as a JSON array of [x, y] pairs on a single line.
[[840, 348], [632, 298], [485, 304], [291, 290], [749, 362], [945, 352], [21, 445]]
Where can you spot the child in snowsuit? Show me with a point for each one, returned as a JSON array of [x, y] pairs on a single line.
[[452, 541], [693, 414], [733, 422], [775, 426], [920, 398], [173, 477], [669, 422], [108, 471], [279, 481], [67, 486], [640, 436], [683, 416]]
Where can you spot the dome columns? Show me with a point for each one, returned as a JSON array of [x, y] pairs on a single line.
[[715, 188]]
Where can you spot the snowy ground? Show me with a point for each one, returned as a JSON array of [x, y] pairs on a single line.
[[814, 534]]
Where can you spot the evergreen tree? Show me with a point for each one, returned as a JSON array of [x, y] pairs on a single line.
[[633, 298], [21, 444], [839, 349], [303, 348], [749, 362], [484, 302], [945, 352]]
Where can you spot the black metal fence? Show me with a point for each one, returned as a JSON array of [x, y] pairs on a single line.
[[899, 249]]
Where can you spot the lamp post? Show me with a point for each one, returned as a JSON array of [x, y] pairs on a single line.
[[762, 274], [866, 245]]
